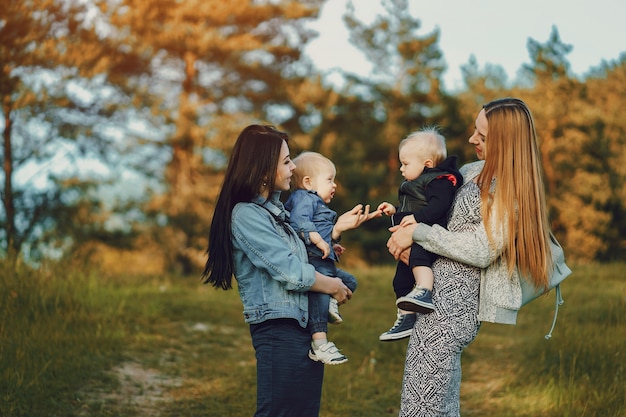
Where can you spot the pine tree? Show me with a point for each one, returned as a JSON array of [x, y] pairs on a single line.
[[373, 113], [49, 56], [572, 154], [215, 67]]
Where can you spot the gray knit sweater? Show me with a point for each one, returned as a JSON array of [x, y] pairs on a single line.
[[500, 294]]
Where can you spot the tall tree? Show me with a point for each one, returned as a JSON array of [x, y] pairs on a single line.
[[582, 138], [481, 86], [215, 67], [573, 162], [49, 57], [597, 200], [371, 114], [405, 85]]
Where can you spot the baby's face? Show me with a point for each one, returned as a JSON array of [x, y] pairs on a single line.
[[412, 161], [324, 183]]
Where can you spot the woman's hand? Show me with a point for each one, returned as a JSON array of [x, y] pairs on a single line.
[[331, 286], [353, 219], [404, 256], [401, 239], [408, 220], [342, 294]]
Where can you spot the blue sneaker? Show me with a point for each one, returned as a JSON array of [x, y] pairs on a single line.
[[419, 300], [401, 329]]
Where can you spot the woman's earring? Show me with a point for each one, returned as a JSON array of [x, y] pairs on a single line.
[[264, 184]]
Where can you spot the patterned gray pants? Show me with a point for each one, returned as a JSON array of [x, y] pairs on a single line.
[[432, 373]]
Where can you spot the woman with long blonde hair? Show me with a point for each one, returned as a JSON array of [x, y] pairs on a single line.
[[497, 233]]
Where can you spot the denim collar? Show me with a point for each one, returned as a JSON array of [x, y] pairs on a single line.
[[273, 205]]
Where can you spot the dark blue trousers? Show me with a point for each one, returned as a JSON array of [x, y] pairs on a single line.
[[289, 384], [318, 302], [403, 280]]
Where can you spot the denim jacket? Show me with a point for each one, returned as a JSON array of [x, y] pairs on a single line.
[[270, 262], [308, 213]]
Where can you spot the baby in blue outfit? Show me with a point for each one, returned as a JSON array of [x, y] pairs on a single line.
[[313, 220]]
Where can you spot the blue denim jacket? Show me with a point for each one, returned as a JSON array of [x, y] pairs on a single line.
[[308, 213], [270, 262]]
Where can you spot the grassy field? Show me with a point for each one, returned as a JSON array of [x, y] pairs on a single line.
[[74, 343]]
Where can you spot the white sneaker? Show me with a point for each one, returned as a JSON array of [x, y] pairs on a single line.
[[333, 312], [327, 353]]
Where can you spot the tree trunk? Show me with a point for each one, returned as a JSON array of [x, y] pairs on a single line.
[[7, 197]]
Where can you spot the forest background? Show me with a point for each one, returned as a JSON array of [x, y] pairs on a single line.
[[130, 109]]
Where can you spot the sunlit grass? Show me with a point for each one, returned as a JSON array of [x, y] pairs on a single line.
[[78, 343], [56, 328]]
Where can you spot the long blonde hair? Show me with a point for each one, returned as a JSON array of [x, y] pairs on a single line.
[[514, 161]]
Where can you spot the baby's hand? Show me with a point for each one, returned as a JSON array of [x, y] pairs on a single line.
[[387, 208], [339, 250], [324, 247], [406, 220], [317, 240]]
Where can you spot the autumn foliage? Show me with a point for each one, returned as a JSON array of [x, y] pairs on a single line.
[[118, 118]]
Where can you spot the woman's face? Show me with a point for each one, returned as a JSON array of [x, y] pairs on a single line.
[[479, 137], [285, 169]]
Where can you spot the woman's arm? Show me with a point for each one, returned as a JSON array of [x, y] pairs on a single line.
[[471, 248], [254, 232], [332, 286], [253, 229], [353, 219]]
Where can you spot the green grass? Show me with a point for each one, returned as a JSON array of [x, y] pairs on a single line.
[[76, 343]]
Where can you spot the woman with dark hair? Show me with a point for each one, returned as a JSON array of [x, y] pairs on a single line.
[[497, 233], [251, 239]]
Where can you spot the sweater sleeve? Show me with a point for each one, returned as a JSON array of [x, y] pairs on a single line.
[[471, 248]]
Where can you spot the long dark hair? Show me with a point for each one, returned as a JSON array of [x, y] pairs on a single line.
[[253, 164]]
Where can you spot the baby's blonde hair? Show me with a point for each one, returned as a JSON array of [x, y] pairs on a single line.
[[309, 164], [430, 142]]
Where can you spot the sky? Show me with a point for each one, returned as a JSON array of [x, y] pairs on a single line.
[[494, 31]]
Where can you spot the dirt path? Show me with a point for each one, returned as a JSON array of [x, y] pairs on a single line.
[[133, 386], [140, 389]]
